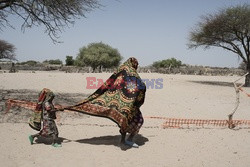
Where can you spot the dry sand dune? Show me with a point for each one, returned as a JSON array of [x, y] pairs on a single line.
[[93, 141]]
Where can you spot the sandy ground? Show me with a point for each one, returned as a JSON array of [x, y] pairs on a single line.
[[93, 141]]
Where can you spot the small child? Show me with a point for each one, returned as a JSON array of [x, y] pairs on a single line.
[[48, 116]]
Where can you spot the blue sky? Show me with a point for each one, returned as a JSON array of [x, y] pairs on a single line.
[[149, 30]]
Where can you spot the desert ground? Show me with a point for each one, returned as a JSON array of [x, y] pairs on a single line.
[[93, 141]]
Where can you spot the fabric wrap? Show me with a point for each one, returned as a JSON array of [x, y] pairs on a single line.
[[119, 98]]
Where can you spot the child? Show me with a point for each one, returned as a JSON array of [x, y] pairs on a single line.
[[48, 115]]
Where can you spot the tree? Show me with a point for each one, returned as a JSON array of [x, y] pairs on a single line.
[[242, 66], [168, 63], [7, 50], [54, 15], [69, 61], [98, 55], [56, 62], [29, 63], [228, 29]]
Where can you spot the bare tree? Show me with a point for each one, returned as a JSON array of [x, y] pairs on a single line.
[[7, 50], [53, 14], [228, 29]]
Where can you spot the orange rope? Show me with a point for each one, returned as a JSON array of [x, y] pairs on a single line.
[[244, 92]]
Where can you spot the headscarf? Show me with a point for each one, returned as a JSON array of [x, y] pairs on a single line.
[[119, 98]]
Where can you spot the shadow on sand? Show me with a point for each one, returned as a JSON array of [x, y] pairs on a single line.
[[113, 140], [102, 140], [48, 140], [215, 83]]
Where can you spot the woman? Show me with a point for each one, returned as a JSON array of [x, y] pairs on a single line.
[[45, 112], [119, 99]]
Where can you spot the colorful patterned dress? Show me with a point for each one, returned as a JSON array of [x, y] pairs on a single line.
[[118, 99], [48, 117]]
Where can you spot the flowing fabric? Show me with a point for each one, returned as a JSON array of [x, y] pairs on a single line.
[[118, 99]]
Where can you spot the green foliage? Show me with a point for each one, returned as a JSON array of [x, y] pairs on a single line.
[[55, 62], [69, 61], [167, 63], [228, 29], [29, 63], [224, 29], [98, 55], [7, 50]]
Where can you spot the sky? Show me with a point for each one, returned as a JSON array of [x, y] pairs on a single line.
[[150, 30]]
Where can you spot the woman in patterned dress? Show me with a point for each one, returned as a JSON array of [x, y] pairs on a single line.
[[119, 99]]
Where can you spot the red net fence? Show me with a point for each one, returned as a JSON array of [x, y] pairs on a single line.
[[202, 123], [168, 122]]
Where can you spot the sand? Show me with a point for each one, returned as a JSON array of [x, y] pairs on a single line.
[[94, 141]]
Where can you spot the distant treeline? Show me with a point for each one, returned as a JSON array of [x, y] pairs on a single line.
[[185, 69]]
